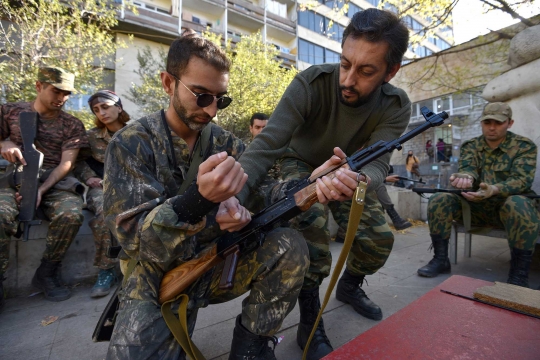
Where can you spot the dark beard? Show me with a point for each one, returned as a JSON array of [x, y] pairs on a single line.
[[182, 114], [361, 100]]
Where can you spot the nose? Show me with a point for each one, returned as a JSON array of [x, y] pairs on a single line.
[[350, 79], [211, 109]]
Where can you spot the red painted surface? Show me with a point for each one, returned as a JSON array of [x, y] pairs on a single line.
[[443, 326]]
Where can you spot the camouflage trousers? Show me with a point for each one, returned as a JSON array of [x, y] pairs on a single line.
[[62, 208], [273, 274], [102, 234], [372, 243], [516, 214]]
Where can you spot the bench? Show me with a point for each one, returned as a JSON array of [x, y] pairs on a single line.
[[460, 228]]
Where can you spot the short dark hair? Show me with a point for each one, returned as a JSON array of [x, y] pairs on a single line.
[[190, 45], [258, 116], [376, 25]]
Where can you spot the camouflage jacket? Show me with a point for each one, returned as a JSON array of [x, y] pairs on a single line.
[[140, 183], [54, 136], [511, 166], [98, 139]]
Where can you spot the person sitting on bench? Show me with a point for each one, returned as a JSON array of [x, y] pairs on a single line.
[[497, 167]]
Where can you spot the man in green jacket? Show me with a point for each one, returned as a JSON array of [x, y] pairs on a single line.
[[336, 109], [496, 167]]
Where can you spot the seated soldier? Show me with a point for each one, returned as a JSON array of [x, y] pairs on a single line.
[[110, 117], [59, 137], [497, 167]]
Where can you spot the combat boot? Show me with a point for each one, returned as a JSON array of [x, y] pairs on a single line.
[[310, 305], [106, 279], [399, 223], [248, 346], [519, 267], [440, 264], [349, 291], [48, 279], [2, 299]]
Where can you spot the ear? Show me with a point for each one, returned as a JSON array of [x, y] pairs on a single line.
[[168, 83], [39, 86], [510, 123], [393, 71]]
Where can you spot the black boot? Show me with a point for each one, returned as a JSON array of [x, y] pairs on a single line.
[[48, 279], [310, 305], [519, 267], [349, 291], [2, 299], [440, 264], [399, 223], [248, 346]]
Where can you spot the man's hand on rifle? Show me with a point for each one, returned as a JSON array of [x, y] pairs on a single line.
[[392, 178], [485, 192], [12, 152], [342, 186], [220, 177], [461, 181], [94, 182], [232, 216]]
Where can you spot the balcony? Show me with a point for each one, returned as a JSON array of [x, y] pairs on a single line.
[[150, 25], [247, 9]]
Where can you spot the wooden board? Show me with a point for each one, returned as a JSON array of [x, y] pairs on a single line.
[[511, 296]]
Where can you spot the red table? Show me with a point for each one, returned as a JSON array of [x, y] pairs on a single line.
[[443, 326]]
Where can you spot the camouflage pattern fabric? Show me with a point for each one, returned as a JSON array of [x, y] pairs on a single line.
[[53, 135], [372, 243], [98, 140], [102, 234], [140, 183], [516, 214], [510, 167], [62, 208], [274, 274]]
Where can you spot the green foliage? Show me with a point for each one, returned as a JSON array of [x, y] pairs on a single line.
[[149, 95], [257, 82], [72, 34]]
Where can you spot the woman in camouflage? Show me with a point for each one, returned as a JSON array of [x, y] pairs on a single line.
[[110, 117]]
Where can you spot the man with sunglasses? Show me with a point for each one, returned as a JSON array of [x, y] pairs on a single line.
[[161, 227], [337, 109]]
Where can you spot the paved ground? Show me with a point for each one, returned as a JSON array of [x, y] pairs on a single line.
[[22, 335]]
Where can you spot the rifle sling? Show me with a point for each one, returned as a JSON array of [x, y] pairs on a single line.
[[357, 207]]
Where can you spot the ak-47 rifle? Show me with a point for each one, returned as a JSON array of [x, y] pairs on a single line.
[[407, 179], [423, 190], [297, 199], [30, 174]]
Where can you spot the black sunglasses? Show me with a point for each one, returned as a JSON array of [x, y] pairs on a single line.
[[204, 100]]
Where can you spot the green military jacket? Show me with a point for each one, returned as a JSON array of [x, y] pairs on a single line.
[[98, 138], [511, 166], [142, 177]]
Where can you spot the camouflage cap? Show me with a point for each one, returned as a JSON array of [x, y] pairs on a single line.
[[57, 77], [498, 111]]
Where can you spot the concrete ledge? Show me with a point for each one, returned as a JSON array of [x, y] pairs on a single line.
[[406, 203], [25, 256]]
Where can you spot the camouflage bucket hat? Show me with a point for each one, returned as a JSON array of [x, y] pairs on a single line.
[[57, 77], [498, 111]]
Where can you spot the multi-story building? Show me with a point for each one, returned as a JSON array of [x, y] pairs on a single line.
[[301, 33]]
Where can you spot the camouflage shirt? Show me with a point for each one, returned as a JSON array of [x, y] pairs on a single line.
[[140, 184], [98, 138], [511, 166], [54, 136]]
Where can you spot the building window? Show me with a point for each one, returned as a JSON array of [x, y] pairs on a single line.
[[315, 54], [353, 9], [312, 21], [374, 2]]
